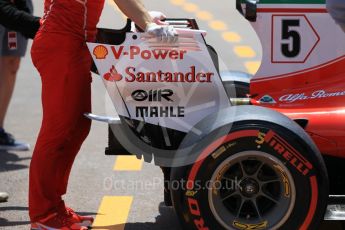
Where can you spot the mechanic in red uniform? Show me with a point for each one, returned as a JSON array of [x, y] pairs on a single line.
[[60, 54]]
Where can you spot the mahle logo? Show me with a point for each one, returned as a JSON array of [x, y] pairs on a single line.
[[100, 52]]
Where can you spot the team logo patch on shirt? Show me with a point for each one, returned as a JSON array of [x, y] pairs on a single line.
[[12, 40]]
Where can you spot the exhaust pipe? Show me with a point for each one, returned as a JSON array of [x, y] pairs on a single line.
[[240, 101]]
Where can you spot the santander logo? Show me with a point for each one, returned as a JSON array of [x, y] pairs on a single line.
[[112, 75]]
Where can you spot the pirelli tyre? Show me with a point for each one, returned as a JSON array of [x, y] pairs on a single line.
[[259, 176]]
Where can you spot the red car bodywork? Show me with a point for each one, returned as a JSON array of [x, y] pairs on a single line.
[[302, 74], [317, 96]]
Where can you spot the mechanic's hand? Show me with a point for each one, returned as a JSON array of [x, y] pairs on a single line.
[[157, 17], [163, 33]]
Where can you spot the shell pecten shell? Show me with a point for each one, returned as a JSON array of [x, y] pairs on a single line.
[[100, 52]]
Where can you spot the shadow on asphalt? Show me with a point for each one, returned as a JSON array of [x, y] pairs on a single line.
[[10, 161], [13, 208], [6, 223], [166, 220]]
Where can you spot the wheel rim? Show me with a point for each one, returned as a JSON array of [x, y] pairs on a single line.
[[252, 188]]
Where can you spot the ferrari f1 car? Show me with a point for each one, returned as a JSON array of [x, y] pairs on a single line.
[[237, 152]]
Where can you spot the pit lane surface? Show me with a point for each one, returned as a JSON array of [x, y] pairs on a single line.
[[122, 192]]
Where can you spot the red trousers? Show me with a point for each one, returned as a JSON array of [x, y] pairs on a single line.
[[64, 65]]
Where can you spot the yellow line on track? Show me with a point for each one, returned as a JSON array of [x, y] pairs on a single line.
[[128, 163], [244, 51], [218, 25], [231, 37], [252, 66], [190, 7], [204, 15], [113, 213], [178, 2]]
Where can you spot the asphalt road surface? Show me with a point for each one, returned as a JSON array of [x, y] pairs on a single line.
[[123, 193]]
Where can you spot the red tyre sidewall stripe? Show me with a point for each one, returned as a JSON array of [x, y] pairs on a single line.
[[213, 146], [250, 133], [313, 203]]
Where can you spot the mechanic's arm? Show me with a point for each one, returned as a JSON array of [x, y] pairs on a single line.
[[135, 10], [18, 20]]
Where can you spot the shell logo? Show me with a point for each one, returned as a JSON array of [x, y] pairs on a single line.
[[112, 75], [100, 52]]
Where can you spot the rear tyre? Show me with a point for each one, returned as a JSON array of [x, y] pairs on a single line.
[[260, 176]]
